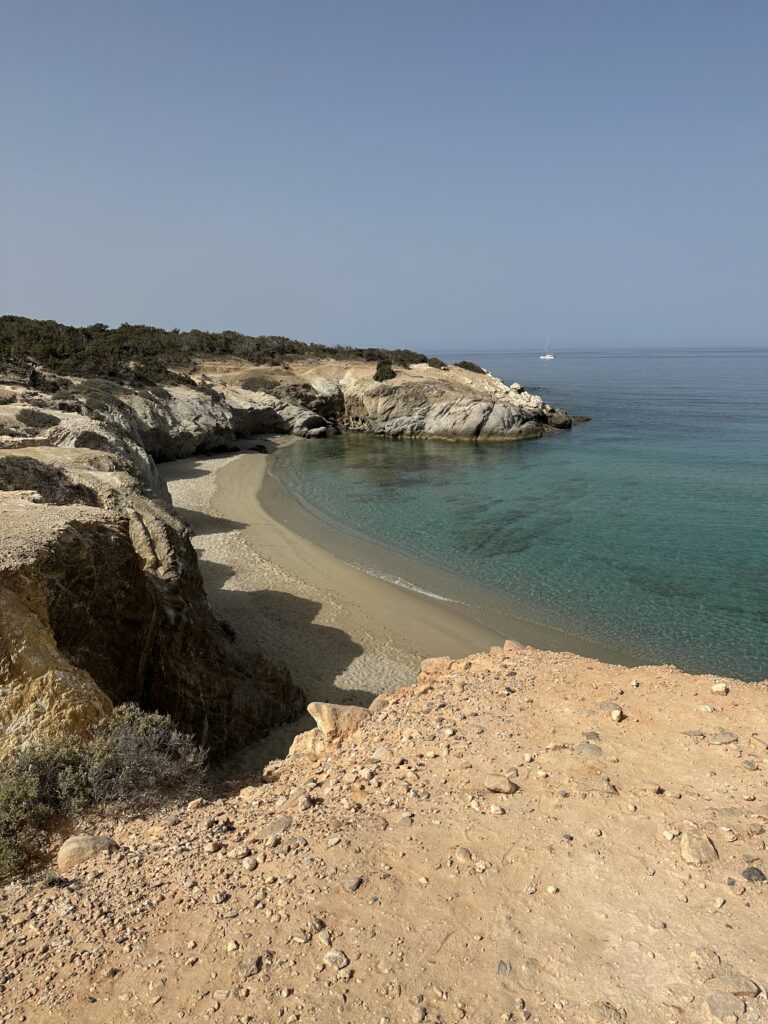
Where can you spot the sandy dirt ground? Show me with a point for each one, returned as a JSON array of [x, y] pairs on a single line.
[[518, 835]]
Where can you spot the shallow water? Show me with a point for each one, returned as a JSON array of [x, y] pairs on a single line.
[[643, 531]]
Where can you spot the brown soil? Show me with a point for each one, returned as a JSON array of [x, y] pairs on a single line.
[[386, 883]]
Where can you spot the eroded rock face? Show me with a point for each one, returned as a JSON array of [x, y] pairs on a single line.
[[101, 602], [421, 401]]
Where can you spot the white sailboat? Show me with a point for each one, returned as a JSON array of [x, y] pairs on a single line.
[[546, 354]]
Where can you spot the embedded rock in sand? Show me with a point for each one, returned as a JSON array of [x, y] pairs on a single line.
[[697, 848], [78, 849], [337, 721]]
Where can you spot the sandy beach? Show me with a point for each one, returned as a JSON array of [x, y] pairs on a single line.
[[344, 635]]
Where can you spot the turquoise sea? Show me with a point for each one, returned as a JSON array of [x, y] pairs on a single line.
[[644, 531]]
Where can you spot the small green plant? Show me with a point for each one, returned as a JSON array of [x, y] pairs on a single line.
[[465, 364], [384, 370], [54, 880]]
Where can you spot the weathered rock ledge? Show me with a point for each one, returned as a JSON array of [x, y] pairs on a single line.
[[101, 599]]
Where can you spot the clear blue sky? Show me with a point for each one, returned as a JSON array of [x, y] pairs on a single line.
[[446, 175]]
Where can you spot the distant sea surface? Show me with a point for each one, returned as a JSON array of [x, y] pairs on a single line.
[[643, 532]]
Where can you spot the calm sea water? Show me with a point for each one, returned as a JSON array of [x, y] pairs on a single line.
[[644, 531]]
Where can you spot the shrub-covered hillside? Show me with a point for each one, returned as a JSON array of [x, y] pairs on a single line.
[[134, 349]]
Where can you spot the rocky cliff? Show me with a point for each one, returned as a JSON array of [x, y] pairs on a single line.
[[101, 599], [446, 402]]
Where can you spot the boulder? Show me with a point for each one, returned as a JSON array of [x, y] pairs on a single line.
[[337, 721], [78, 849]]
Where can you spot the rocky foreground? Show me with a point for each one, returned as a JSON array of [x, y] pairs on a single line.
[[518, 836]]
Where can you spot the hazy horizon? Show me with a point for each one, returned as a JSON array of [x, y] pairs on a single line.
[[431, 176]]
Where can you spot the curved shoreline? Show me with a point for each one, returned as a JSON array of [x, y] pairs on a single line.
[[472, 602], [257, 540]]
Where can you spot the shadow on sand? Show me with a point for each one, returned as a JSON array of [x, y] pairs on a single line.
[[282, 627]]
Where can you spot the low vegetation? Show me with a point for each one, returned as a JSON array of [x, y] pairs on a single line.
[[151, 354], [384, 370], [465, 364], [133, 758]]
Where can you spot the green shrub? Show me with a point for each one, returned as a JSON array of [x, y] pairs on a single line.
[[137, 353], [134, 759], [138, 758], [465, 364], [35, 785], [384, 370], [435, 362]]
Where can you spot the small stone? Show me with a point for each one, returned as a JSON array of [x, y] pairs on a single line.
[[196, 804], [352, 883], [462, 855], [723, 737], [336, 958], [552, 890], [250, 967], [250, 863], [721, 688], [735, 985], [617, 715], [697, 848], [589, 750], [723, 1004], [609, 705], [753, 874]]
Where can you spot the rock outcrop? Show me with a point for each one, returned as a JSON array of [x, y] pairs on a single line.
[[101, 599], [421, 401]]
